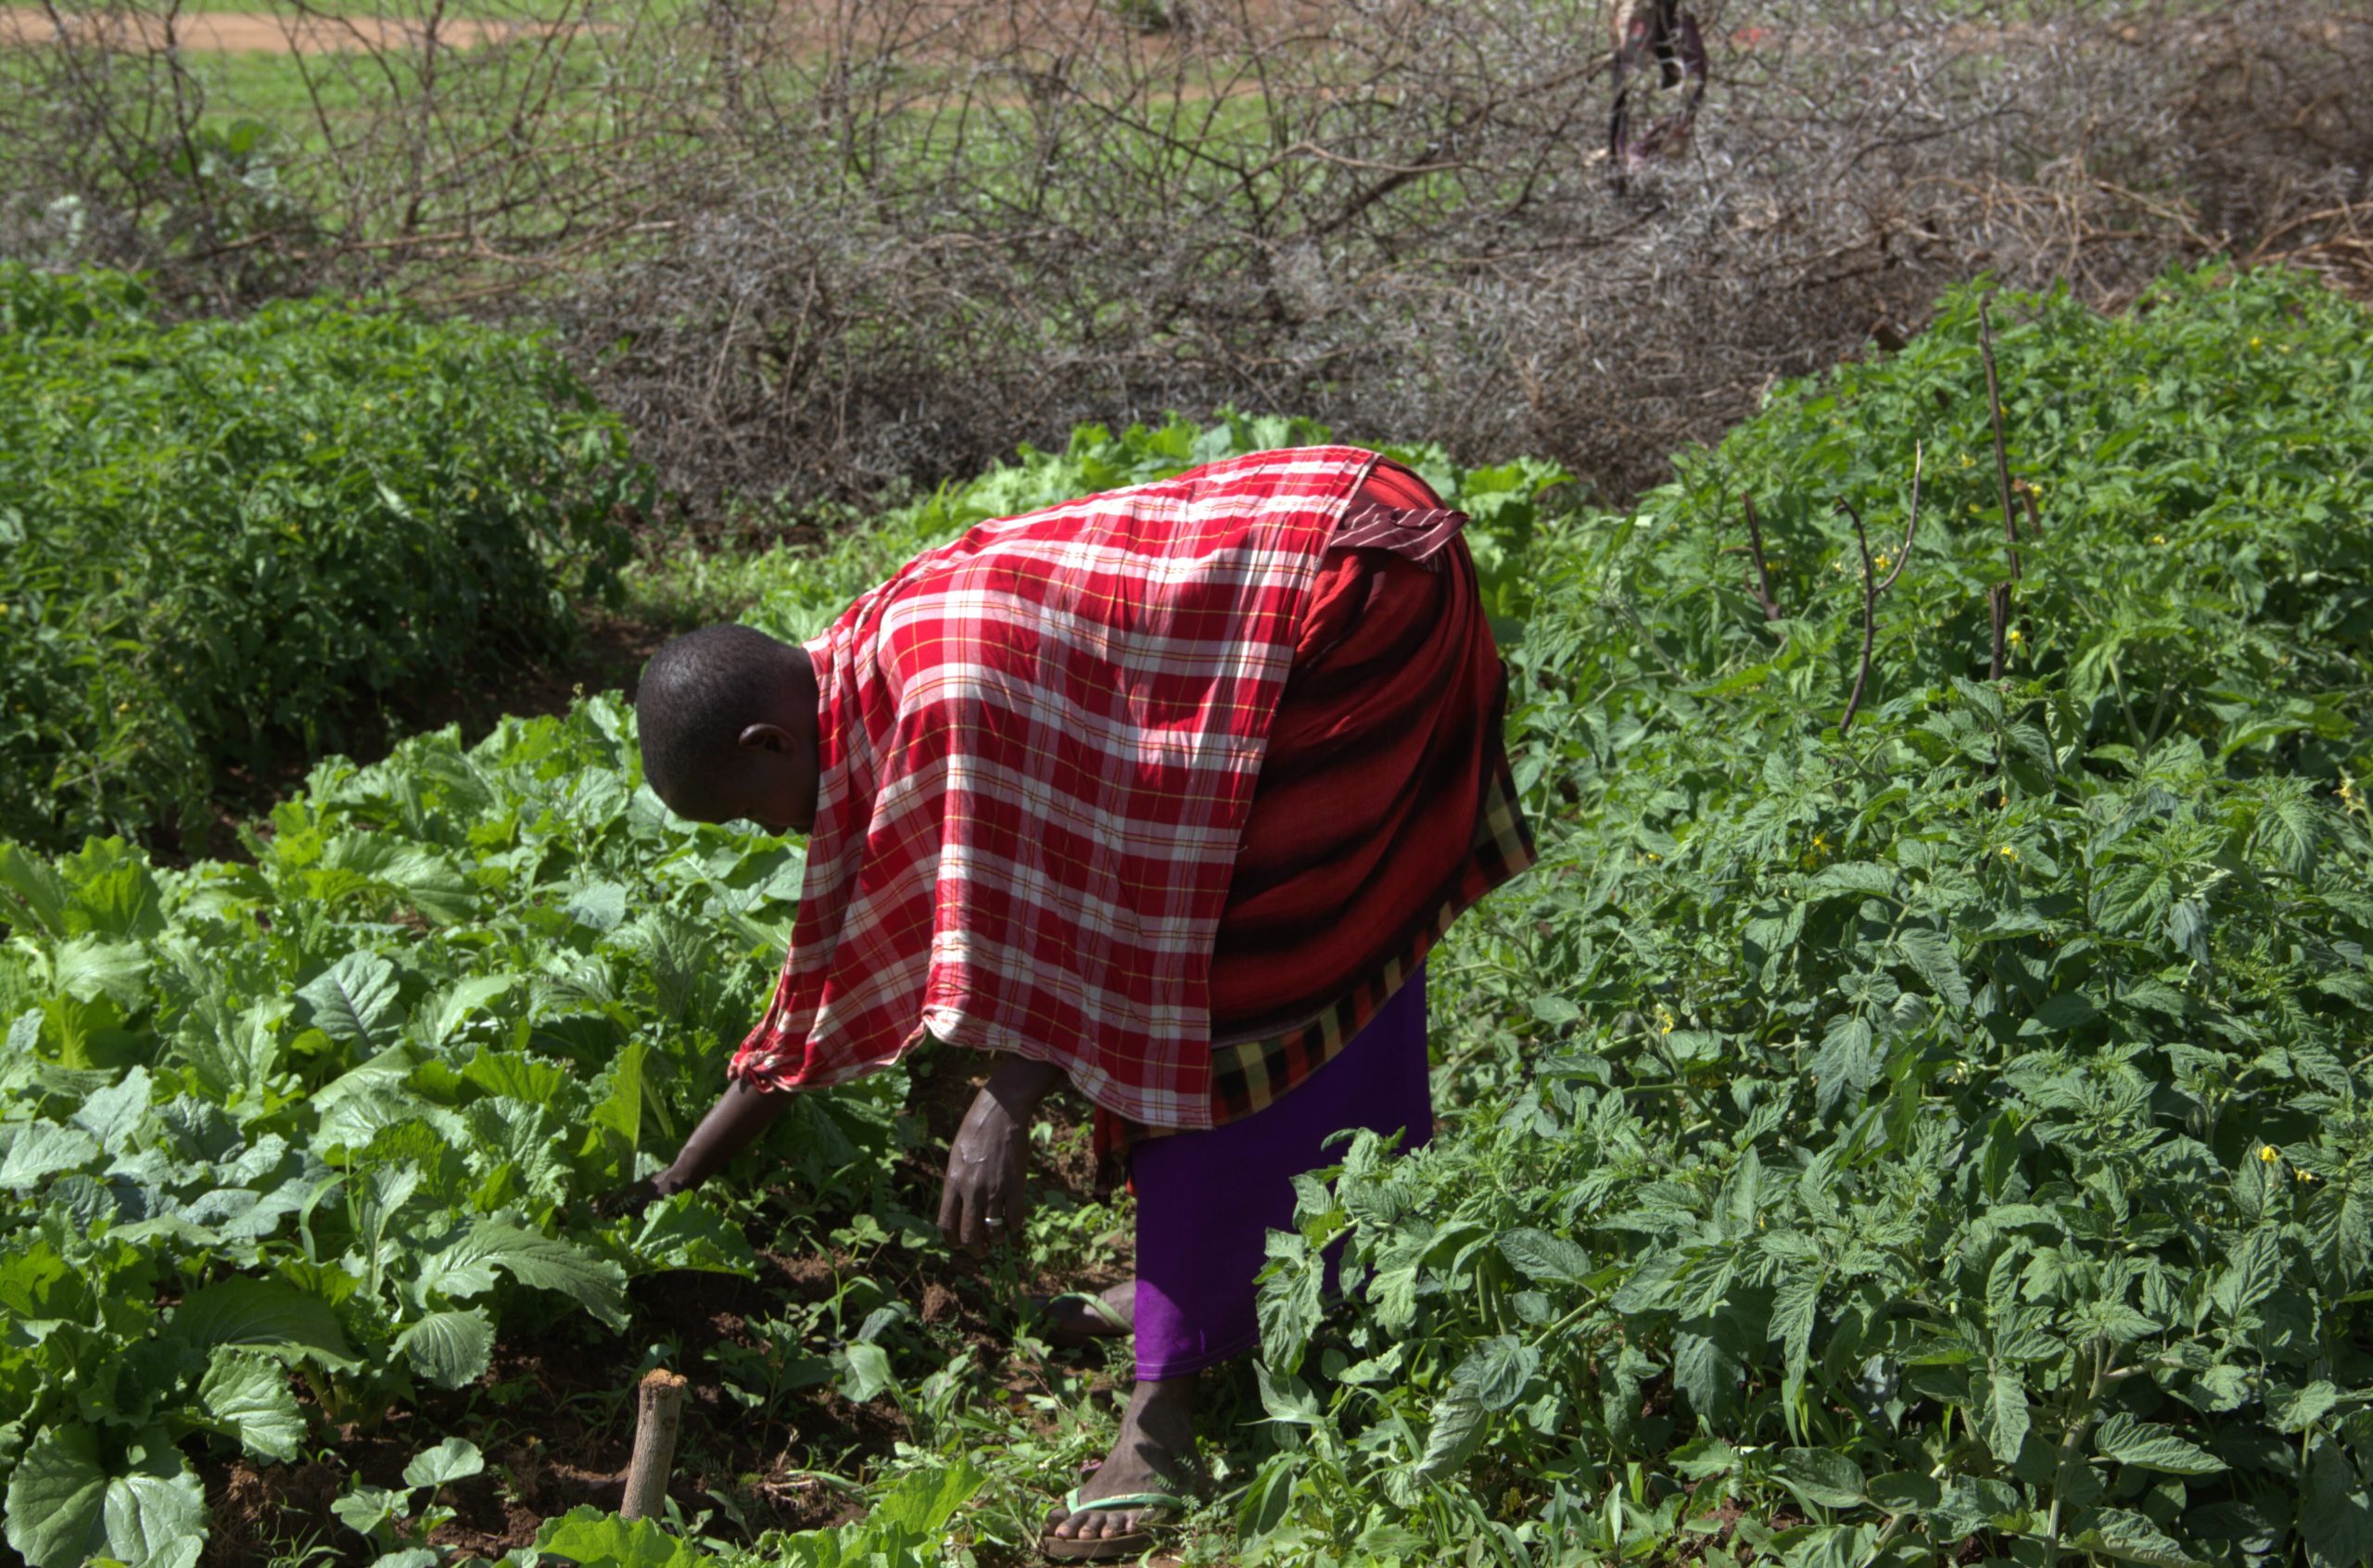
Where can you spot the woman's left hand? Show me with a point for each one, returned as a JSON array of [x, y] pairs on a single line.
[[987, 1193]]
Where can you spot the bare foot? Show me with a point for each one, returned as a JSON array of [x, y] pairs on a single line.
[[1155, 1452], [1072, 1323]]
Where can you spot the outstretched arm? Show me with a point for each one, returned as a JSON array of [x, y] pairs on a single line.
[[733, 1124]]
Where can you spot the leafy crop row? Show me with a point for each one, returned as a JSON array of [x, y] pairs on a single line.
[[1949, 1138], [332, 1114], [220, 536]]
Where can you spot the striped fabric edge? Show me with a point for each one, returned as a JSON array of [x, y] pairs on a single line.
[[1417, 534], [1252, 1075]]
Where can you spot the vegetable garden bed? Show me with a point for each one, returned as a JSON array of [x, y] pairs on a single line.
[[1940, 1137]]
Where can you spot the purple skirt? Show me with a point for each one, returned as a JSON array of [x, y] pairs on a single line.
[[1207, 1201]]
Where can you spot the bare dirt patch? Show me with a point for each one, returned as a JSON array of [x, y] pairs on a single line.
[[253, 33]]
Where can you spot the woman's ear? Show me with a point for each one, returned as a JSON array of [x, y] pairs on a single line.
[[768, 737]]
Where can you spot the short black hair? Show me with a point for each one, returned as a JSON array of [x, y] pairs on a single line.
[[697, 694]]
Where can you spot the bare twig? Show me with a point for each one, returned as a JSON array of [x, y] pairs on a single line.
[[1761, 584], [1998, 598], [2002, 453], [1873, 585]]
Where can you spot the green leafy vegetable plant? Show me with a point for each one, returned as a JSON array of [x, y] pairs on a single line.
[[284, 1142], [1943, 1138], [221, 537]]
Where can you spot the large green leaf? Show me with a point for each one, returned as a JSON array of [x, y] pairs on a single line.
[[114, 1112], [1498, 1369], [2335, 1509], [39, 1150], [594, 1539], [1457, 1431], [2001, 1415], [64, 1505], [249, 1397], [448, 1349], [923, 1503], [1822, 1476], [2129, 1441], [115, 892], [37, 883], [466, 1268], [89, 968], [450, 1008], [1544, 1257], [262, 1315], [354, 1002], [455, 1459]]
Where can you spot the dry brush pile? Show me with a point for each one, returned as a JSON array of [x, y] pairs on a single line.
[[813, 251]]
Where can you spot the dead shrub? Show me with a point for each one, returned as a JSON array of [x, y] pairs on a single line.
[[813, 251]]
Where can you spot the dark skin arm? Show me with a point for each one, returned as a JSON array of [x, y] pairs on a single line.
[[985, 1196], [732, 1125]]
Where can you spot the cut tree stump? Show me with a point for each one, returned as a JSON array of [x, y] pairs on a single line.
[[658, 1417]]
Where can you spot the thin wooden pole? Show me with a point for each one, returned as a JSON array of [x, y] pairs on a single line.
[[658, 1417]]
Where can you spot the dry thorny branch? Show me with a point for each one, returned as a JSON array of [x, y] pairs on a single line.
[[813, 251]]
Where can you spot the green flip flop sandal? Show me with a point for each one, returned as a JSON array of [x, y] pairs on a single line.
[[1111, 1549]]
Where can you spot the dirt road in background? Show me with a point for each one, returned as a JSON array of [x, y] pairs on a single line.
[[251, 33]]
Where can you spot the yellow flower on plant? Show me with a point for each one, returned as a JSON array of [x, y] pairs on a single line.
[[2257, 341], [2014, 638], [2158, 539], [2267, 1153], [2306, 1175], [2007, 853]]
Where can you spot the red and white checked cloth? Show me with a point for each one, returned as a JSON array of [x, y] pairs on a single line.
[[1038, 746]]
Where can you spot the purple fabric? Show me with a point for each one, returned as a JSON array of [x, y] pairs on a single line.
[[1207, 1200]]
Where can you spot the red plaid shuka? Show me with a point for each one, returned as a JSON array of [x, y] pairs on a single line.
[[1038, 746]]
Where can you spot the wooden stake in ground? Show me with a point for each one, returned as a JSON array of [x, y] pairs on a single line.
[[658, 1416]]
